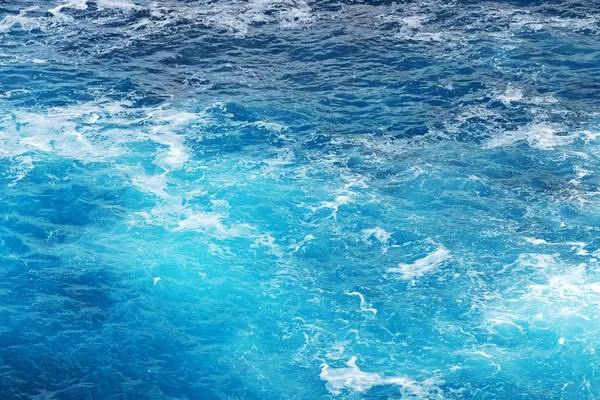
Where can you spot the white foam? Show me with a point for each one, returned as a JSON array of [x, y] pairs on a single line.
[[74, 4], [175, 119], [535, 241], [412, 28], [167, 122], [201, 221], [422, 266], [353, 379], [205, 222], [363, 304], [176, 155], [272, 126], [118, 4], [418, 171], [284, 157], [81, 132], [338, 350], [27, 23], [20, 170], [295, 247], [295, 16], [61, 131], [221, 251], [414, 21], [573, 283], [335, 204], [539, 262], [220, 206], [268, 241], [378, 233], [492, 323], [574, 24], [541, 136], [511, 94], [541, 100], [519, 20], [153, 184], [236, 17], [544, 293]]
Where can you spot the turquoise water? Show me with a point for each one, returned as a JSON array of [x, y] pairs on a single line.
[[293, 199]]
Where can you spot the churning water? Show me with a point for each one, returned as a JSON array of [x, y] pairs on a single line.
[[294, 199]]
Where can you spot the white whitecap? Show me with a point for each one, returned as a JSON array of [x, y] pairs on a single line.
[[74, 4], [511, 94], [540, 136], [536, 242], [116, 4], [378, 233], [352, 379], [422, 266], [202, 221], [212, 223]]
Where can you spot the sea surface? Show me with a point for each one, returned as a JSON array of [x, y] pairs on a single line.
[[296, 199]]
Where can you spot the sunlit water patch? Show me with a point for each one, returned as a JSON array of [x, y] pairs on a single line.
[[275, 199]]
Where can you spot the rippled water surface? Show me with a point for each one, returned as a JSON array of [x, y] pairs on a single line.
[[294, 199]]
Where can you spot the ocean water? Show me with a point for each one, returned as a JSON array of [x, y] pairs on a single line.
[[295, 199]]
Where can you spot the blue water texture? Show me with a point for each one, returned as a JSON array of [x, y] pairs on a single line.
[[299, 199]]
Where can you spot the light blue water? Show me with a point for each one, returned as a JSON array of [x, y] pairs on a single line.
[[286, 199]]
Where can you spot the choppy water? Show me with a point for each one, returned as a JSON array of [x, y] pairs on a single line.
[[286, 199]]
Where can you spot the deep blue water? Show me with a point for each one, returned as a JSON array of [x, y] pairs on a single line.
[[294, 199]]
